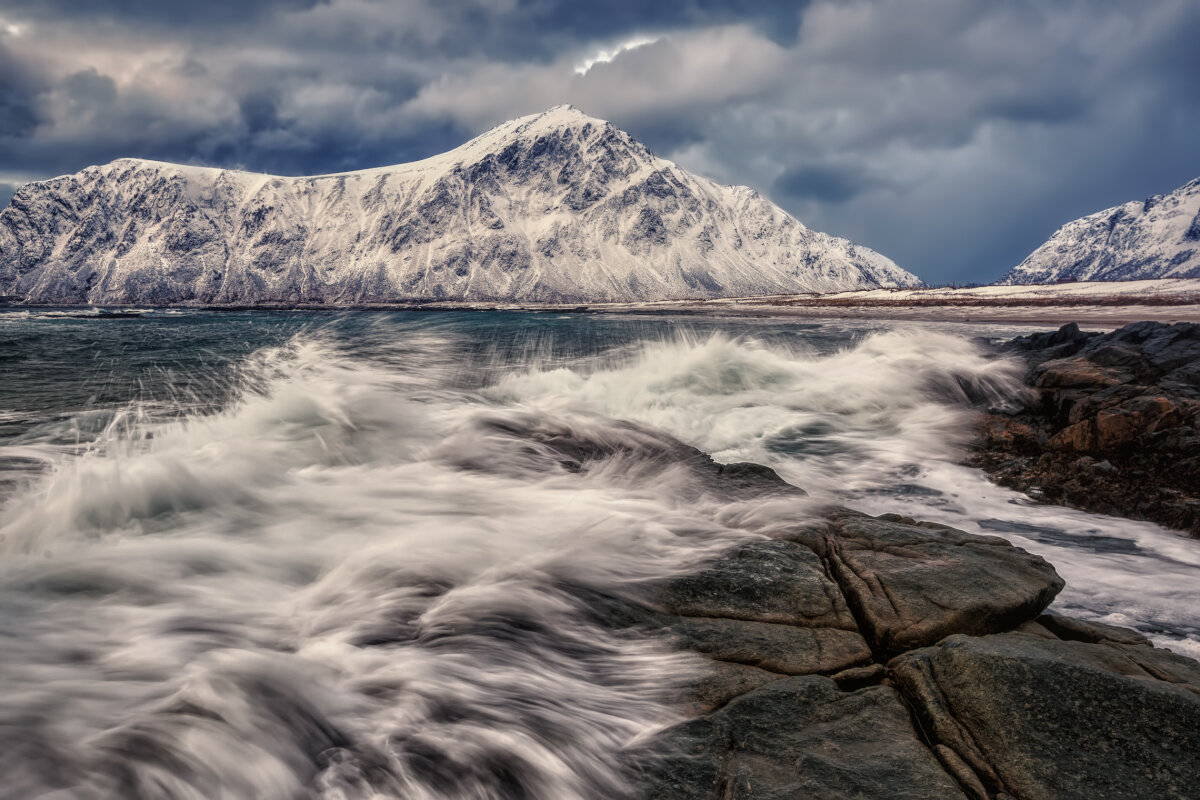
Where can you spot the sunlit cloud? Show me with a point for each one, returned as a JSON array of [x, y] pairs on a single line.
[[9, 29], [605, 56]]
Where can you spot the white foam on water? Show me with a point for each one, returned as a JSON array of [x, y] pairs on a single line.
[[352, 581], [880, 425], [307, 594]]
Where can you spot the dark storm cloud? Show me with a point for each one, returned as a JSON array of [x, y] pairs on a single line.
[[827, 183], [18, 90], [173, 12], [952, 135]]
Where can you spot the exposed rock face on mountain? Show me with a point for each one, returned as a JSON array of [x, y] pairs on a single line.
[[857, 657], [1111, 424], [1155, 238], [553, 207]]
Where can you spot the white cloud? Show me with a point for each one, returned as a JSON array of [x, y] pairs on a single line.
[[606, 56]]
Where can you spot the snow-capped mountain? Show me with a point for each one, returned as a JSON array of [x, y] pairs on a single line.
[[1155, 238], [556, 206]]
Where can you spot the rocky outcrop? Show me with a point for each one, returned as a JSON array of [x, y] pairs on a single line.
[[1027, 715], [554, 207], [800, 738], [934, 674], [798, 703], [912, 584], [866, 657], [1158, 237], [1111, 423]]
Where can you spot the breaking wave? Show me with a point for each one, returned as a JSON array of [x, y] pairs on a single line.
[[361, 575]]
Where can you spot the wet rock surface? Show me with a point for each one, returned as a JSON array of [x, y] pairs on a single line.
[[1036, 717], [801, 737], [768, 581], [880, 657], [912, 584], [1111, 423], [851, 656]]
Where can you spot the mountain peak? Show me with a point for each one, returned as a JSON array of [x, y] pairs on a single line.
[[1158, 237], [553, 120], [556, 206], [563, 115]]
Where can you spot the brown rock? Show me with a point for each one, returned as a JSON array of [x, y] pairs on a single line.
[[1077, 630], [1130, 399], [1076, 373], [1080, 437], [858, 677]]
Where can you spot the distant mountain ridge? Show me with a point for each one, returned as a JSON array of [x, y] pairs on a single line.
[[1155, 238], [553, 207]]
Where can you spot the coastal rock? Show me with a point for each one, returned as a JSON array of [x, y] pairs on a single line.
[[882, 657], [807, 608], [768, 581], [1071, 720], [1111, 423], [798, 738], [785, 649], [985, 697], [1077, 630], [722, 681], [910, 585]]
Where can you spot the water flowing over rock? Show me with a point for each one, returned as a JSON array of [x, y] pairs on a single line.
[[881, 657], [1158, 237], [556, 206], [362, 571]]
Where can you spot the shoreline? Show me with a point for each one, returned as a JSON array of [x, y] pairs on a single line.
[[1098, 315]]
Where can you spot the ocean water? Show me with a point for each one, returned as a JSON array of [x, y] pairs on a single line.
[[292, 555]]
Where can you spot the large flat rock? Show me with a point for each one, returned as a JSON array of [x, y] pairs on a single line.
[[798, 738], [1043, 719], [767, 581], [786, 649], [911, 584]]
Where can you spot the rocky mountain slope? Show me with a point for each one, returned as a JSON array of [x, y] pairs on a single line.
[[552, 207], [1155, 238]]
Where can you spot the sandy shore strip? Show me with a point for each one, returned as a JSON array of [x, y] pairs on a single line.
[[1099, 304]]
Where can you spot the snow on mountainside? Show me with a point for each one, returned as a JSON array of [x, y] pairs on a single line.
[[1155, 238], [552, 207]]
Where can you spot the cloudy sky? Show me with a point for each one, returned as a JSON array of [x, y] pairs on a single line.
[[952, 135]]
